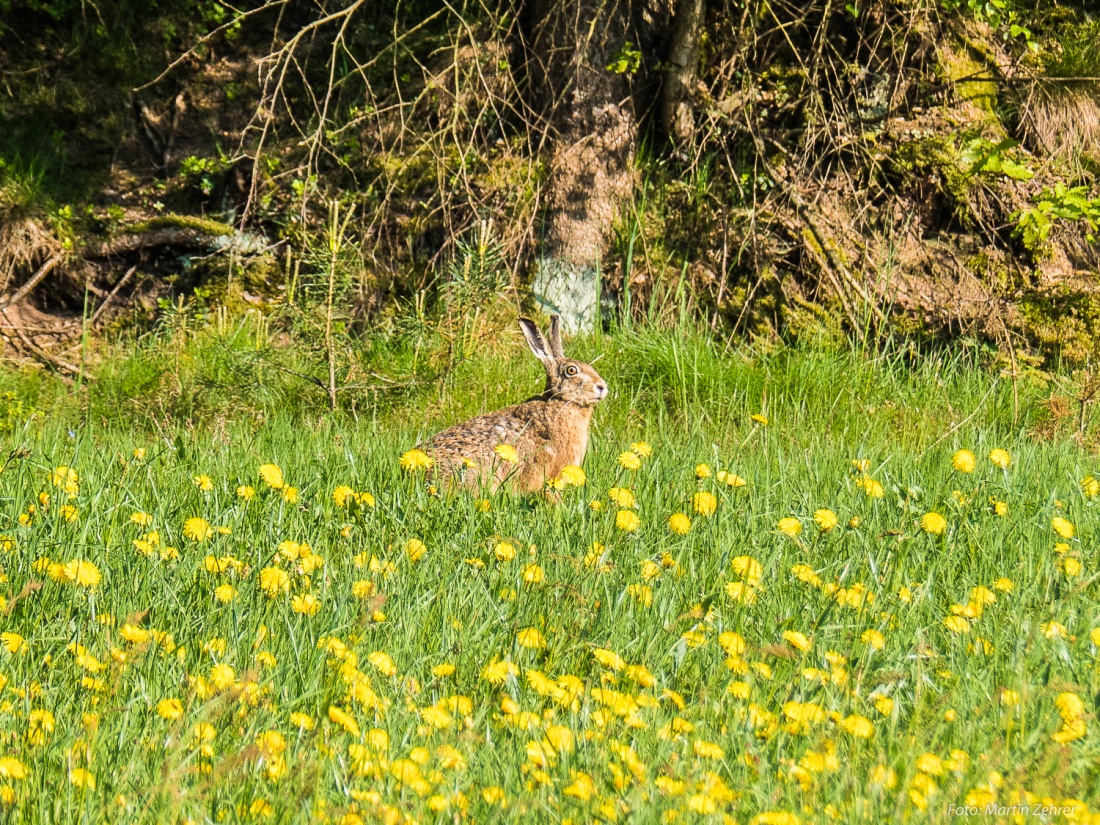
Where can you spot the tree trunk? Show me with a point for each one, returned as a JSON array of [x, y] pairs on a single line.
[[588, 114], [683, 59]]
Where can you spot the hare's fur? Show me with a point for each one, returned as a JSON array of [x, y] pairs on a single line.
[[549, 431]]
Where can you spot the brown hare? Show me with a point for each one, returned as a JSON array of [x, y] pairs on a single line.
[[548, 432]]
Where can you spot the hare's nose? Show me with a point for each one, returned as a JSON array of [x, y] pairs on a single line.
[[601, 389]]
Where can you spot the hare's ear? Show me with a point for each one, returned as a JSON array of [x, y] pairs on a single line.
[[535, 341], [555, 337]]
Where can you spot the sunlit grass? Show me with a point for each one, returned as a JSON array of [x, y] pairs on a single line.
[[537, 661]]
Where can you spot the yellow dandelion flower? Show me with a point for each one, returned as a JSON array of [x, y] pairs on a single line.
[[560, 738], [222, 676], [1090, 487], [40, 724], [66, 479], [693, 638], [629, 460], [204, 482], [642, 593], [246, 492], [642, 449], [415, 460], [141, 519], [134, 635], [789, 526], [338, 716], [858, 726], [504, 551], [272, 580], [805, 573], [707, 750], [797, 640], [872, 488], [494, 795], [933, 523], [775, 818], [679, 523], [197, 529], [260, 808], [496, 673], [82, 778], [957, 624], [82, 573], [343, 495], [382, 662], [826, 520], [704, 503], [702, 471], [531, 638], [1001, 458], [743, 592], [272, 476], [1070, 732], [1009, 698], [873, 639], [1063, 527], [225, 593], [627, 521], [739, 690], [573, 475], [170, 709], [582, 788], [1054, 630], [804, 713], [532, 574], [506, 452], [748, 568], [302, 721], [444, 670], [363, 589], [964, 461], [608, 658], [732, 642], [437, 717], [760, 419], [1069, 706], [12, 768], [415, 549], [306, 604], [622, 496]]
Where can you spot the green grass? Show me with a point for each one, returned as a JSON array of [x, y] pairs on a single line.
[[692, 402]]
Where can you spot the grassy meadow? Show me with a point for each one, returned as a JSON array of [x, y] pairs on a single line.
[[796, 585]]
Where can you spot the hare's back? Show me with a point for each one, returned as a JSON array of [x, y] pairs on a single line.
[[476, 439]]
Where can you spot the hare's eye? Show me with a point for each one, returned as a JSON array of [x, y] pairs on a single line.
[[570, 370]]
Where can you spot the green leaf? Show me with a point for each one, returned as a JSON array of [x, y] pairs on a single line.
[[1015, 170]]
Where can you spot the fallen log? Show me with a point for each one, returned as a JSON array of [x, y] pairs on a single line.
[[176, 230], [33, 281]]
